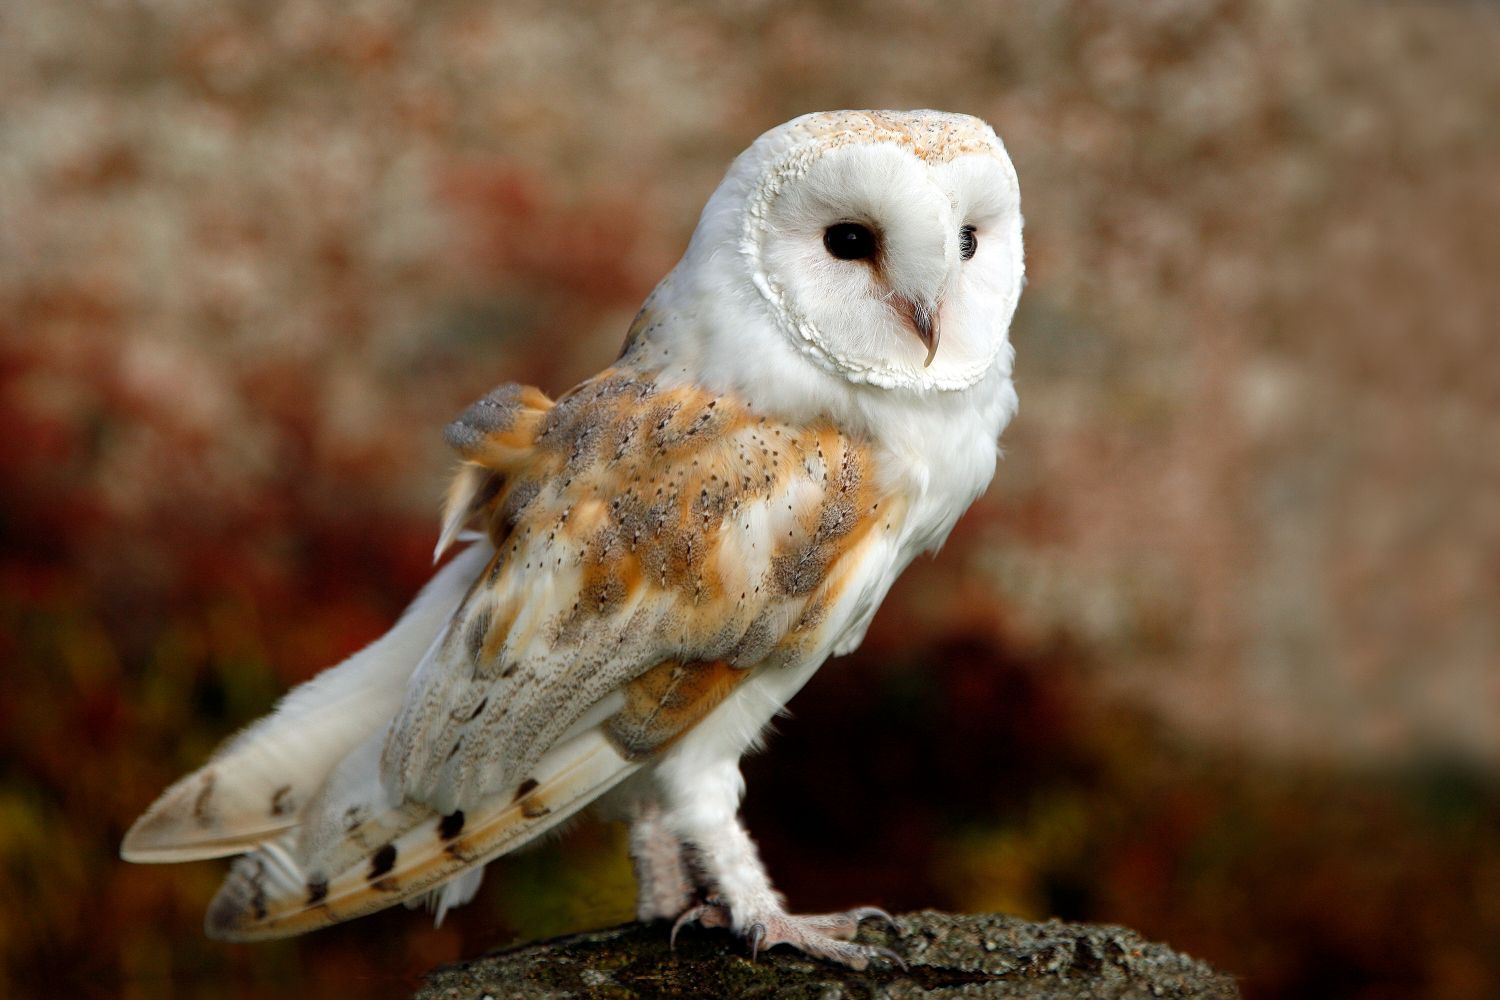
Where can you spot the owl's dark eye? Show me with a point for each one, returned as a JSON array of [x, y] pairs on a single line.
[[967, 242], [850, 241]]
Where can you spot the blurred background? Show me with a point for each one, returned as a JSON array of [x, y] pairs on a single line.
[[1216, 657]]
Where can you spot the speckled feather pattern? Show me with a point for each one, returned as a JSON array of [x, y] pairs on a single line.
[[658, 542], [932, 136]]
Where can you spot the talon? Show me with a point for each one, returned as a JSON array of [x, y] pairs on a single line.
[[824, 936], [864, 913], [757, 936], [688, 916]]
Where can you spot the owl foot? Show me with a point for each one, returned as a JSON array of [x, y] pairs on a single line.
[[822, 935]]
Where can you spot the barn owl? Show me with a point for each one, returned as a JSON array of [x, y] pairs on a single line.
[[663, 556]]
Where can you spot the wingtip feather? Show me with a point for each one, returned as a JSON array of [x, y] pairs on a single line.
[[183, 825], [267, 895], [258, 783], [467, 487]]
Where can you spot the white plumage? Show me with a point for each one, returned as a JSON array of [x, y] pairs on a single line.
[[808, 401]]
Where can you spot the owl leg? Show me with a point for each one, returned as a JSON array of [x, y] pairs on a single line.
[[664, 889], [740, 893]]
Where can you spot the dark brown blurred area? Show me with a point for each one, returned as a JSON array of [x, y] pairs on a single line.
[[1217, 657]]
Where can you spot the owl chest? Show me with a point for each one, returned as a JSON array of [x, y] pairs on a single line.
[[935, 494], [940, 467]]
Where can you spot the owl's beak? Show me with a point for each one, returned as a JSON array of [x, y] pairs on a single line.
[[922, 317]]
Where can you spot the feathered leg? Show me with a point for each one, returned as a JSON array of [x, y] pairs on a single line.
[[664, 887], [741, 897]]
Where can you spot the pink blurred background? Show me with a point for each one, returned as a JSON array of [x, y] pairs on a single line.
[[1217, 657]]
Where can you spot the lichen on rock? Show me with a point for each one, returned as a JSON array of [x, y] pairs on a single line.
[[947, 955]]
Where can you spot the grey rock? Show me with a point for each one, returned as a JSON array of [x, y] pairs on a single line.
[[947, 955]]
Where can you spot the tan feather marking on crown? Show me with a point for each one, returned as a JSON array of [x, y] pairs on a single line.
[[933, 136]]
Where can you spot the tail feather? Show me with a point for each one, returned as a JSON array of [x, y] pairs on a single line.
[[453, 894], [259, 783], [287, 886]]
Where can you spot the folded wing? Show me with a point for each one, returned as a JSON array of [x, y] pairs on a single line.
[[658, 541], [649, 548]]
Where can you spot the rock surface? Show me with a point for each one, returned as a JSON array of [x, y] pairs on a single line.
[[947, 955]]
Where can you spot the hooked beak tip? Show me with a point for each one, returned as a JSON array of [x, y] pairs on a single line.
[[923, 320], [927, 329]]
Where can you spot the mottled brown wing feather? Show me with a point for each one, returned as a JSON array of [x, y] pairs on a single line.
[[666, 701], [653, 544]]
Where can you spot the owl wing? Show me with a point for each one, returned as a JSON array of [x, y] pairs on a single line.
[[653, 547], [259, 782]]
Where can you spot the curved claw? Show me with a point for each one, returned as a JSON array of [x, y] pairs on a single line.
[[824, 936], [757, 936], [688, 916]]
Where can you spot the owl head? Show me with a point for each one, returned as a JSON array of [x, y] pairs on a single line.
[[882, 246]]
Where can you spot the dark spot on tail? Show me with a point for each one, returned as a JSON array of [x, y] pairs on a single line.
[[383, 861], [530, 808], [281, 801], [317, 891], [452, 825]]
